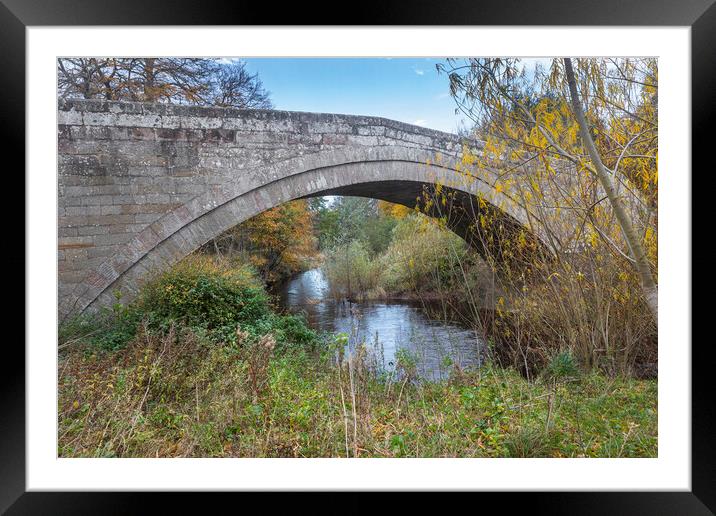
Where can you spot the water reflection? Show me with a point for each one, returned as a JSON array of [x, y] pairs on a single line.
[[384, 326]]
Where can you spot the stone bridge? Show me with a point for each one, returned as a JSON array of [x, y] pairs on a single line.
[[143, 185]]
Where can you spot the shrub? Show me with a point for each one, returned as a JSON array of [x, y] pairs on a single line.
[[423, 256], [293, 329], [210, 296], [586, 304], [205, 294], [561, 366]]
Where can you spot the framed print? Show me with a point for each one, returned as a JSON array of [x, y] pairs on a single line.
[[420, 252]]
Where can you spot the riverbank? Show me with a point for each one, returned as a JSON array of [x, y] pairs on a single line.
[[202, 366], [187, 399]]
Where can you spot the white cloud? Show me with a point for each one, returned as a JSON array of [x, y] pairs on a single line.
[[229, 60], [420, 122], [419, 71]]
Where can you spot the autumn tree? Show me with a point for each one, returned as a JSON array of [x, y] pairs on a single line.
[[391, 209], [587, 133], [636, 248], [278, 242]]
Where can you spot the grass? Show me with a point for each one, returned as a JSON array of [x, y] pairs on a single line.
[[180, 396], [208, 369]]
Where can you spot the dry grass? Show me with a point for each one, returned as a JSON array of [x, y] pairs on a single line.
[[178, 396]]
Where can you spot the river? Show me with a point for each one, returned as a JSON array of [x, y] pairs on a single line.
[[384, 327]]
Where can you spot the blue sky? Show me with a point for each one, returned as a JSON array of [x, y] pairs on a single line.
[[408, 90]]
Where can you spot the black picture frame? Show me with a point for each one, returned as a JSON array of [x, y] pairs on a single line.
[[17, 15]]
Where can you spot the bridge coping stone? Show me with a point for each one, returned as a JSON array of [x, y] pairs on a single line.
[[361, 125]]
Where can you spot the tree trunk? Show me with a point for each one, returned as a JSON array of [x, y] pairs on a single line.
[[641, 264], [150, 91]]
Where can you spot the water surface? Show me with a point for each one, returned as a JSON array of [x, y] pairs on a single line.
[[384, 327]]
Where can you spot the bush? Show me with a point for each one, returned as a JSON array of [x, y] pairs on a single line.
[[293, 329], [585, 303], [210, 296], [205, 294]]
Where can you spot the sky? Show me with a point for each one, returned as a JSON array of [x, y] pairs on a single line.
[[408, 90]]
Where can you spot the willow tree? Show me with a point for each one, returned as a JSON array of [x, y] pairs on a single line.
[[596, 120]]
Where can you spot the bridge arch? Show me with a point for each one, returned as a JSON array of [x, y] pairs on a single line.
[[394, 167]]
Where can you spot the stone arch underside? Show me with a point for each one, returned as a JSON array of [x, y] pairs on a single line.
[[179, 233]]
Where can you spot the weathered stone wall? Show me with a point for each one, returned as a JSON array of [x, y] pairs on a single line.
[[142, 185]]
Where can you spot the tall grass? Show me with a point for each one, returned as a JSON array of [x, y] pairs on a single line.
[[179, 395], [587, 306], [351, 272]]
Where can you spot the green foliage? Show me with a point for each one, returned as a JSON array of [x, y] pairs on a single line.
[[170, 390], [527, 441], [212, 297], [108, 329], [328, 228], [561, 367], [407, 255], [406, 362], [349, 219], [378, 234], [422, 256], [205, 295], [293, 330], [350, 270], [399, 443], [199, 401]]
